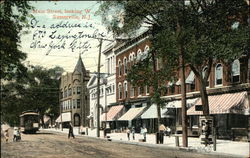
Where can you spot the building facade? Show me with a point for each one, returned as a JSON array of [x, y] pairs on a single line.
[[74, 96]]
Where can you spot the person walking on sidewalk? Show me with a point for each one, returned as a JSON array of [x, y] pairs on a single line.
[[133, 132], [144, 133], [71, 131], [128, 133], [162, 130]]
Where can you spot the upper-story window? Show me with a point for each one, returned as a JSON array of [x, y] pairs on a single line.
[[78, 104], [235, 71], [78, 90], [108, 65], [65, 93], [69, 91], [125, 65], [140, 90], [203, 74], [146, 49], [218, 74], [139, 55], [132, 90], [120, 91], [125, 89], [120, 67], [74, 90], [147, 90]]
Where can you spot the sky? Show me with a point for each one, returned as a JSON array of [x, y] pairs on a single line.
[[61, 31]]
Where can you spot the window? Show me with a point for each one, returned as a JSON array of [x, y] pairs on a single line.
[[65, 93], [125, 65], [108, 65], [165, 91], [203, 74], [125, 89], [113, 91], [140, 90], [192, 86], [132, 91], [78, 103], [120, 91], [218, 74], [139, 55], [69, 91], [235, 71], [147, 89], [78, 90], [74, 90], [120, 67], [172, 89], [61, 94], [74, 103], [76, 120]]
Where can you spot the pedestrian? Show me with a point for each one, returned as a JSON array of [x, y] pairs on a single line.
[[168, 130], [128, 133], [16, 134], [162, 130], [133, 132], [6, 135], [71, 131], [144, 133], [207, 133]]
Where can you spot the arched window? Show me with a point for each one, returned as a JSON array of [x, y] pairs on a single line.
[[218, 74], [139, 55], [132, 90], [125, 89], [76, 119], [125, 65], [120, 91], [146, 49], [235, 71], [203, 74], [120, 67]]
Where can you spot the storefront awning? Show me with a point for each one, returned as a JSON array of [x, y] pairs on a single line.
[[64, 117], [178, 104], [225, 103], [112, 113], [131, 114], [167, 110]]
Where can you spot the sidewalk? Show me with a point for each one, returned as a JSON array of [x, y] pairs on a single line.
[[225, 147]]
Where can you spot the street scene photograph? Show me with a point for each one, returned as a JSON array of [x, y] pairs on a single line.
[[125, 79]]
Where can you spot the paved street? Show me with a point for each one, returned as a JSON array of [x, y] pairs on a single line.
[[50, 144]]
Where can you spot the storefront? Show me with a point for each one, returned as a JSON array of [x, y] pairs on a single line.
[[230, 112]]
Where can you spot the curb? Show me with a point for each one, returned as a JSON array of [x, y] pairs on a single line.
[[163, 146]]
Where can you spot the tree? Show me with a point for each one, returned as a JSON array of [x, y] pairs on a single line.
[[37, 91], [13, 18], [198, 33]]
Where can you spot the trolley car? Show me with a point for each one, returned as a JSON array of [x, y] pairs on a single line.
[[29, 122]]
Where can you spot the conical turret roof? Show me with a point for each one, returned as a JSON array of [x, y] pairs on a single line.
[[80, 66]]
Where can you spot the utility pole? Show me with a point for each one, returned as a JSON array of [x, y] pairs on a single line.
[[98, 89], [98, 85]]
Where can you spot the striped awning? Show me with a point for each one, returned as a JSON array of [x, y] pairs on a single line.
[[131, 114], [112, 113], [225, 103]]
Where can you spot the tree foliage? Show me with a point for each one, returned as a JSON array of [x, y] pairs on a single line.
[[13, 18], [38, 91], [205, 31]]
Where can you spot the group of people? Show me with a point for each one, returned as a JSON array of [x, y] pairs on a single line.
[[16, 134], [132, 131]]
